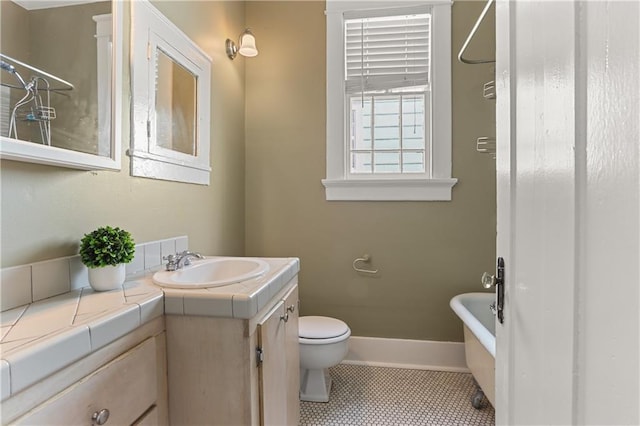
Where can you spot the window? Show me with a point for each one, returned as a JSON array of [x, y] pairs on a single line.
[[386, 82], [388, 101]]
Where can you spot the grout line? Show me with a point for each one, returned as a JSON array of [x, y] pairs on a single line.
[[75, 314]]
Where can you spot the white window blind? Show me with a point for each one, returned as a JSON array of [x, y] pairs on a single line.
[[388, 100], [387, 52]]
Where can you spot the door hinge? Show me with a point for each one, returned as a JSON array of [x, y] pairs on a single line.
[[259, 356], [148, 129]]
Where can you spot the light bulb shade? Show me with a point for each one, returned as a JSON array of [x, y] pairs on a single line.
[[248, 45]]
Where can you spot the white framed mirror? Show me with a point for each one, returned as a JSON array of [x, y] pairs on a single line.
[[170, 85], [61, 83]]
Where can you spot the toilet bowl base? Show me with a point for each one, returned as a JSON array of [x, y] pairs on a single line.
[[315, 385]]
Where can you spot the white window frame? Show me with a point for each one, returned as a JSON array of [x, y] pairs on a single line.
[[340, 184]]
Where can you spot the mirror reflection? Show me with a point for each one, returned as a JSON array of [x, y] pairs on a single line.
[[55, 75], [175, 105]]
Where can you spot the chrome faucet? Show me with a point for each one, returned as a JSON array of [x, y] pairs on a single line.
[[178, 260]]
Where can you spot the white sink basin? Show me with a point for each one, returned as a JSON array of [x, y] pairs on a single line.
[[213, 272]]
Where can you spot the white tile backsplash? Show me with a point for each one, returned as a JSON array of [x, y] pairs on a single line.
[[15, 287], [167, 247], [24, 284], [50, 278], [79, 274], [182, 244], [152, 255], [137, 264]]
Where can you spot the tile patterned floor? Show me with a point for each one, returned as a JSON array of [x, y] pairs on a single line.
[[364, 395]]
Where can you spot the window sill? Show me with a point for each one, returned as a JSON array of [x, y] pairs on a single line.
[[389, 189]]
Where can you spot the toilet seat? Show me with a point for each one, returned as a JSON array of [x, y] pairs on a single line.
[[317, 330]]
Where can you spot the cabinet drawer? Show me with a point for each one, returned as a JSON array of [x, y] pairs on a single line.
[[127, 387], [148, 419]]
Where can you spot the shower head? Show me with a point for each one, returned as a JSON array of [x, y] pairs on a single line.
[[11, 69], [7, 67]]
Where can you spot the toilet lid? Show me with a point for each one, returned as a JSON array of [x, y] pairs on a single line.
[[320, 327]]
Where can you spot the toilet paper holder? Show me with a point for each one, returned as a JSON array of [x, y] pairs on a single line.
[[364, 259]]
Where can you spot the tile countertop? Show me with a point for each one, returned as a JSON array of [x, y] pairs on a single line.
[[241, 300], [43, 337]]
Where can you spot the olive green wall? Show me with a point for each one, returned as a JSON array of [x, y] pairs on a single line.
[[426, 252], [269, 200], [46, 210]]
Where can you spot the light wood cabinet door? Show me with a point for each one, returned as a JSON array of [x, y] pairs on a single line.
[[273, 368], [292, 351], [280, 367]]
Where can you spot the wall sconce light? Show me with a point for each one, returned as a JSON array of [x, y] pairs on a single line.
[[247, 44]]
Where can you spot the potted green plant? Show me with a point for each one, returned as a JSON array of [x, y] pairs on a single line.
[[105, 252]]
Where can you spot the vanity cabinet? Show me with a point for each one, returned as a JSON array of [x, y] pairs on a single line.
[[230, 371], [126, 390]]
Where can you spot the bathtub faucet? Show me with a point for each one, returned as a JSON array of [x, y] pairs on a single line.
[[178, 260]]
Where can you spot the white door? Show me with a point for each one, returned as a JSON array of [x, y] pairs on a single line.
[[568, 179]]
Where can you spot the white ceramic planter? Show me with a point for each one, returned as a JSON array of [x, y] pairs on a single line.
[[107, 277]]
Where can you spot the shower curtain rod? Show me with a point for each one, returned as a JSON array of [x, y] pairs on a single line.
[[471, 35], [39, 71]]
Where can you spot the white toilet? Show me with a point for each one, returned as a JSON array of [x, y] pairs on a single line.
[[324, 342]]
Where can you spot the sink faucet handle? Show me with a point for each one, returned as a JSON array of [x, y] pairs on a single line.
[[172, 262]]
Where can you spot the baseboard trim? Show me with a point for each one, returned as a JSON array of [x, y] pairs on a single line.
[[401, 353]]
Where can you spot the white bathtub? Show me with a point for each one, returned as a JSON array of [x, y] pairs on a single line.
[[479, 337]]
